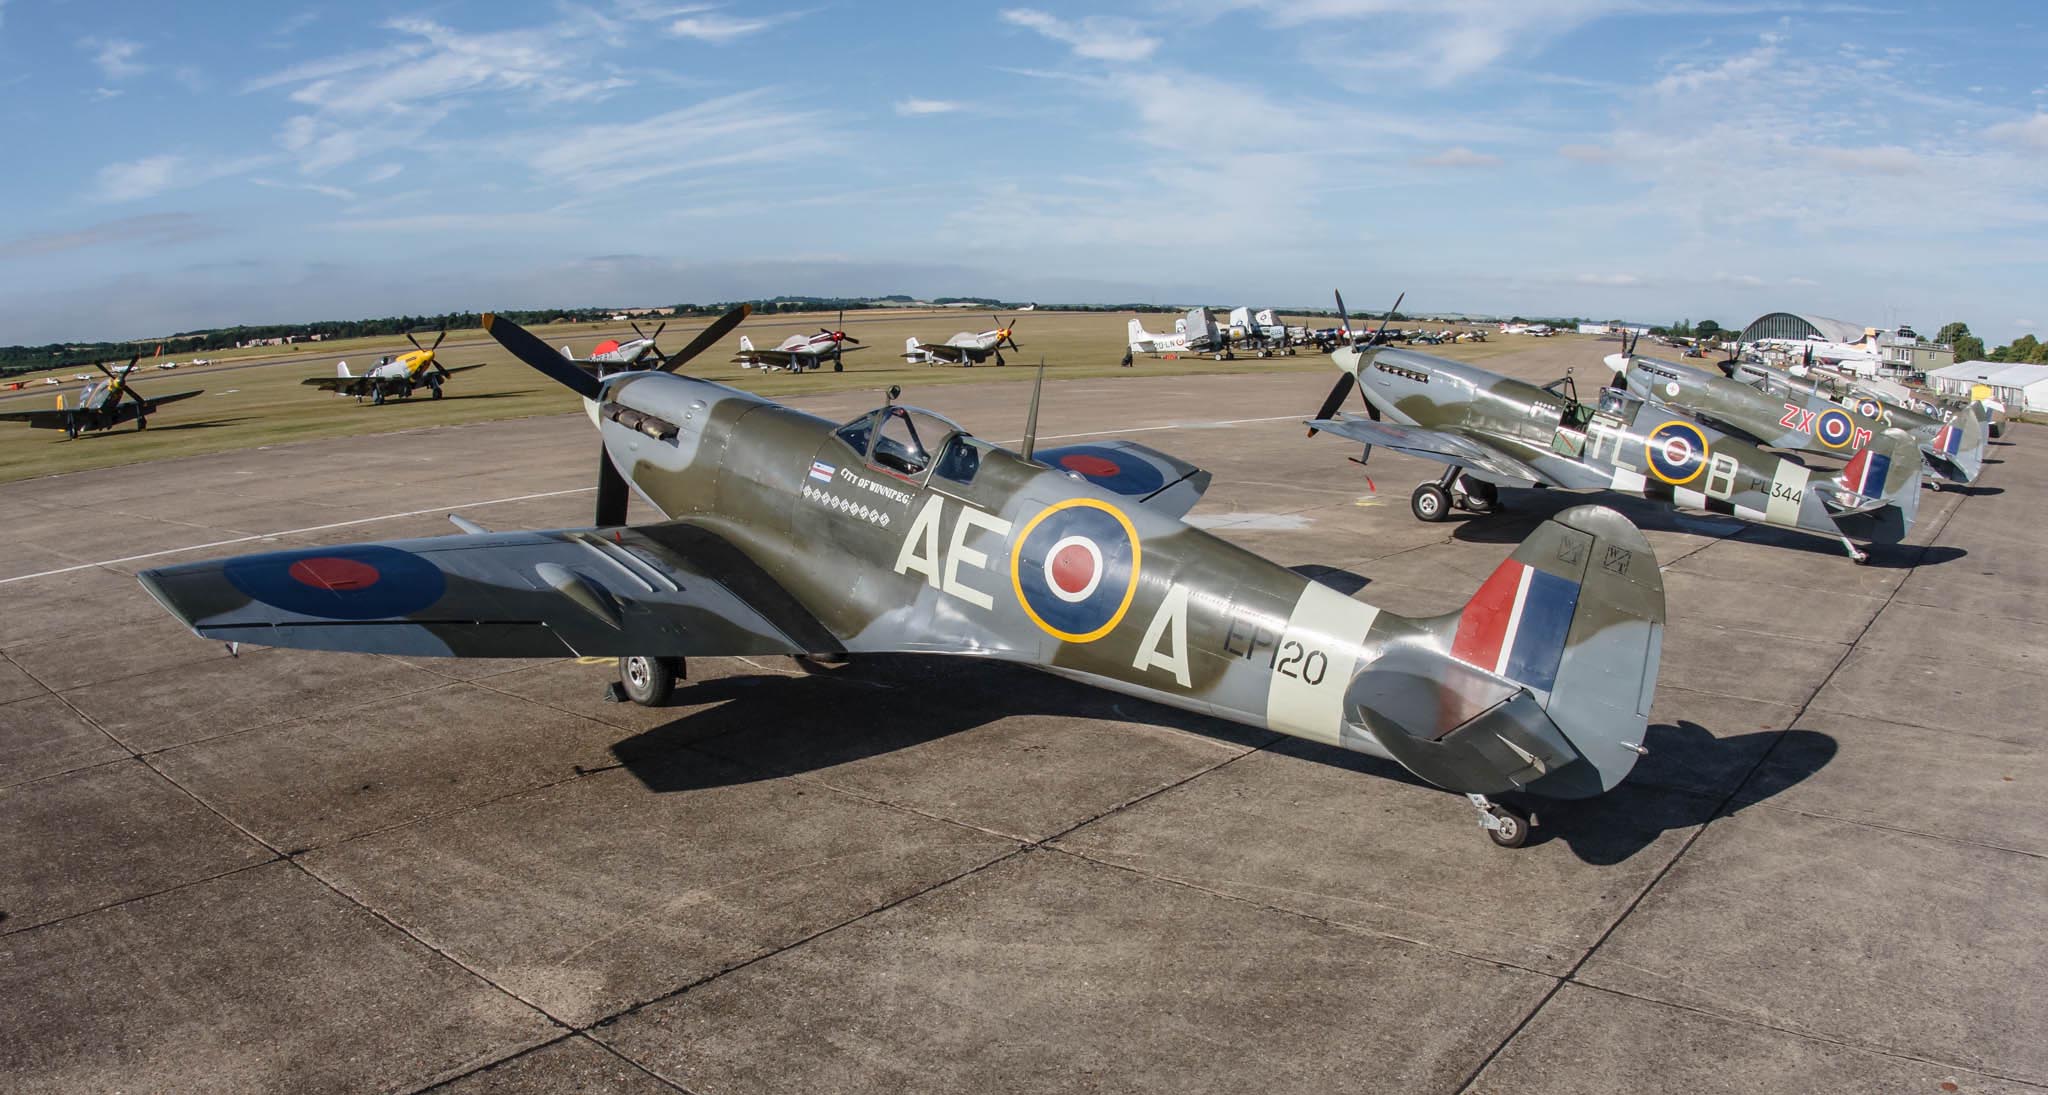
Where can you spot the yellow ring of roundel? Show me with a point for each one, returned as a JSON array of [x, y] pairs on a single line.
[[1130, 588], [1848, 432], [1650, 441]]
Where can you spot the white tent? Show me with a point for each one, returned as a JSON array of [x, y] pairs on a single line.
[[2020, 387]]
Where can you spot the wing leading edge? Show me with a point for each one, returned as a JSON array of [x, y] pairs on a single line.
[[1440, 445]]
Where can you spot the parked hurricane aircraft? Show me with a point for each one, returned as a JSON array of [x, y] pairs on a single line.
[[900, 532], [1797, 415], [393, 377], [101, 406], [1494, 431], [799, 353], [964, 348]]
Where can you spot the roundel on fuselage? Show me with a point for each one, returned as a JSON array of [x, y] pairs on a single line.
[[1075, 569], [1676, 452], [1869, 408], [1834, 428]]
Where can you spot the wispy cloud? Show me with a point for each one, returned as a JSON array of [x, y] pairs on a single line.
[[914, 107], [115, 57], [336, 192], [729, 131], [134, 180], [708, 25], [1459, 157], [148, 230], [1095, 37], [2031, 133], [1587, 153]]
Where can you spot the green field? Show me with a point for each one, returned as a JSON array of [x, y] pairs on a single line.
[[247, 405]]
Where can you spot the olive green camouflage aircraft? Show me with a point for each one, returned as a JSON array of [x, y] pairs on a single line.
[[1962, 450], [1494, 431], [900, 532], [1787, 413]]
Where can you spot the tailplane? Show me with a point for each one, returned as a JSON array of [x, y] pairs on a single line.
[[1877, 494], [1543, 681]]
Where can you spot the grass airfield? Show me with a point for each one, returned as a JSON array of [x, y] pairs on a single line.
[[255, 397]]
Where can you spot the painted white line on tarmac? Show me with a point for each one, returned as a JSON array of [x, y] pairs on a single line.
[[292, 532], [545, 494]]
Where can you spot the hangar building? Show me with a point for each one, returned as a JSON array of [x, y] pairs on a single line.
[[2020, 387], [1798, 328]]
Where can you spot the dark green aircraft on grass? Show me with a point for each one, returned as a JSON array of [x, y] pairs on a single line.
[[900, 532]]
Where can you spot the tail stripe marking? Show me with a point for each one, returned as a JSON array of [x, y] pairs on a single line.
[[1948, 440], [1866, 473], [1517, 623]]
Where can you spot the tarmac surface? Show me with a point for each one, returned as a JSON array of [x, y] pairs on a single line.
[[313, 872]]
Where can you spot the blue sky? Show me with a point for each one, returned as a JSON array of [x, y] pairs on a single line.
[[250, 162]]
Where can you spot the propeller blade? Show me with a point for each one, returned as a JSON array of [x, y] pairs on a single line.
[[1338, 391], [415, 342], [658, 329], [438, 338], [844, 337], [611, 492], [719, 328], [540, 357], [1388, 318], [1343, 321], [637, 332]]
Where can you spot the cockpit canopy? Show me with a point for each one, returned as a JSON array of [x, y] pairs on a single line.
[[911, 442]]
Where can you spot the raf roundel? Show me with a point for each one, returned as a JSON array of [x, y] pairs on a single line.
[[1869, 408], [1834, 428], [1119, 472], [359, 582], [1676, 452], [1075, 569]]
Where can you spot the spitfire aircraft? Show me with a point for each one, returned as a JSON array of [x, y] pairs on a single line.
[[1492, 431], [101, 406], [799, 353], [1797, 415], [394, 377], [965, 348], [900, 532]]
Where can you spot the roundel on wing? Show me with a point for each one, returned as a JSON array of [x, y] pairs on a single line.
[[360, 582], [1676, 452], [1834, 428], [1120, 472], [1075, 569]]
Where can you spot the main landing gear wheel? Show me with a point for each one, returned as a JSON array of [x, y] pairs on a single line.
[[141, 423], [1430, 503], [71, 431], [649, 681], [436, 386], [377, 396], [1478, 495]]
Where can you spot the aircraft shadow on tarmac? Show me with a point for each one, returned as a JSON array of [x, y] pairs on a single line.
[[771, 726], [1525, 509], [206, 424]]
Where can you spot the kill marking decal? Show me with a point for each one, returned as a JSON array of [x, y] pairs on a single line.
[[846, 506], [1074, 568]]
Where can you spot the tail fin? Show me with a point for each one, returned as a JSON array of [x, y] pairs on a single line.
[[566, 353], [1543, 681], [910, 345], [1137, 331], [746, 344], [341, 369], [1957, 448], [1877, 494]]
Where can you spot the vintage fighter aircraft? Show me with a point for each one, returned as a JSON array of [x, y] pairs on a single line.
[[899, 532], [799, 353], [1493, 431], [1195, 333], [964, 348], [394, 377], [1797, 415], [613, 356], [101, 406]]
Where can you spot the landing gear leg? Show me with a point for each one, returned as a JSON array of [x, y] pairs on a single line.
[[1504, 826], [1856, 555]]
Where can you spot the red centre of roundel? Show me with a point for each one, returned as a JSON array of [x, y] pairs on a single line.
[[1073, 568], [1088, 465], [334, 575], [1677, 450]]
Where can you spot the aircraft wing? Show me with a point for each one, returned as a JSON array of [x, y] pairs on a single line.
[[347, 385], [1460, 449], [49, 418], [940, 350], [464, 368], [676, 589], [1151, 478], [773, 357], [156, 401]]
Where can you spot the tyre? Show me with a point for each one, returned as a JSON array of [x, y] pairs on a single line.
[[1430, 503], [1513, 831], [1480, 495], [377, 396], [649, 681], [141, 423]]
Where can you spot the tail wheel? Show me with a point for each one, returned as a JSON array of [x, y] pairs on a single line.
[[1430, 503], [649, 681], [1510, 829]]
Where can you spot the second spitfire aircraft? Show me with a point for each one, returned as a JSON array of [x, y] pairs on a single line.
[[899, 532], [394, 377], [1796, 415], [965, 348], [801, 352], [1496, 431], [1866, 402], [101, 406]]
